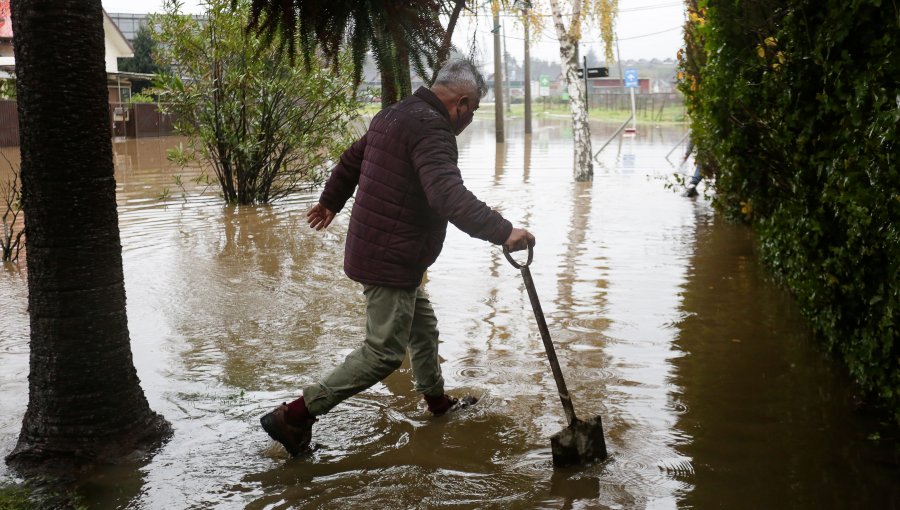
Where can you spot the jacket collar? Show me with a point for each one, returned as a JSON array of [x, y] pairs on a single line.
[[431, 98]]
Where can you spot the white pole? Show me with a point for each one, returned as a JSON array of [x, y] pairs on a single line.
[[633, 113]]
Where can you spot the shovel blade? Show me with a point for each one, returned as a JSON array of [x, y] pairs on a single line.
[[579, 443]]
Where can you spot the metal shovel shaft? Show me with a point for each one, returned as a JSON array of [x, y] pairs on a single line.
[[581, 441], [548, 346]]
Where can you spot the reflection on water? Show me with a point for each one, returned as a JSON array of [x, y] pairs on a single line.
[[710, 388], [765, 420]]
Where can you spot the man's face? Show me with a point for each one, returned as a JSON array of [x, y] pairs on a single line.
[[465, 110]]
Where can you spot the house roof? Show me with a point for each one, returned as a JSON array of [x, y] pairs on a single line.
[[118, 33], [109, 28]]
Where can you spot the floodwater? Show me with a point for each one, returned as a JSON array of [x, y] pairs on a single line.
[[713, 393]]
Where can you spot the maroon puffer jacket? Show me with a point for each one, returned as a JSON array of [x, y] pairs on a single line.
[[409, 187]]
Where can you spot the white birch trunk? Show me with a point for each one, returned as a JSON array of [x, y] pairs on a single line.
[[568, 41]]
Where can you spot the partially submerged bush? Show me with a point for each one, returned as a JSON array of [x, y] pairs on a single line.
[[265, 126], [13, 230]]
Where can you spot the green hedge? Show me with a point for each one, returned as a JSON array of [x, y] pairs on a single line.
[[795, 106]]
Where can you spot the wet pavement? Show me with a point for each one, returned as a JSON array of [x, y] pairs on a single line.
[[712, 391]]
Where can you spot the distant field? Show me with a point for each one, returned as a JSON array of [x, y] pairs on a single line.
[[668, 114]]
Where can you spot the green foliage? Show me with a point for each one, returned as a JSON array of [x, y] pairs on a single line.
[[182, 156], [265, 127], [143, 59], [144, 50], [38, 493], [796, 109], [398, 33], [14, 497], [7, 89], [141, 98]]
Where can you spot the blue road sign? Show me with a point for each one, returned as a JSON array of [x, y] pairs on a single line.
[[631, 78]]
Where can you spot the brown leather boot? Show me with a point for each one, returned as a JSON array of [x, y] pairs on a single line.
[[295, 439], [440, 405]]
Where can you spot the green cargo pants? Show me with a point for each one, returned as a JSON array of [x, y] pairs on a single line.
[[397, 320]]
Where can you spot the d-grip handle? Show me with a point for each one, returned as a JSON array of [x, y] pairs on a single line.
[[513, 261]]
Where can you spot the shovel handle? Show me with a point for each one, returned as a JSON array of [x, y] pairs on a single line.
[[513, 261], [545, 334]]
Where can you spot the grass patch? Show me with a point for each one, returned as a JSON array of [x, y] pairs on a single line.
[[37, 495], [15, 497]]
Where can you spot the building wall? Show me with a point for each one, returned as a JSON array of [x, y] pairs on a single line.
[[116, 46]]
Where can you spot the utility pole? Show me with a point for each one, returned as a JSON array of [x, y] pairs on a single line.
[[498, 84], [527, 82], [506, 74], [619, 59], [587, 92]]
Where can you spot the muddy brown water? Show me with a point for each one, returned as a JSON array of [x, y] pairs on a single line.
[[712, 391]]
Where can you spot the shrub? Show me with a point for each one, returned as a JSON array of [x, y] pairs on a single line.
[[265, 126], [795, 106], [141, 98]]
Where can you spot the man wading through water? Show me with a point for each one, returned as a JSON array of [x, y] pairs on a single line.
[[408, 188]]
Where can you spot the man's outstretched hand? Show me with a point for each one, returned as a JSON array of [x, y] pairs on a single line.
[[519, 239], [319, 217]]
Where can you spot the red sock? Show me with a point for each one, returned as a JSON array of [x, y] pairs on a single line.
[[297, 414]]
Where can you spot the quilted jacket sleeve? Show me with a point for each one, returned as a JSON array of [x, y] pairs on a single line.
[[344, 177], [433, 156]]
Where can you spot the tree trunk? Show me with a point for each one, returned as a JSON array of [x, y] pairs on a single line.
[[527, 71], [581, 130], [499, 128], [568, 52], [85, 402], [386, 61], [388, 86], [404, 78]]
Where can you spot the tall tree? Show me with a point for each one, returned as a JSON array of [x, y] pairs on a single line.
[[580, 13], [568, 52], [402, 35], [85, 401], [143, 60], [144, 48]]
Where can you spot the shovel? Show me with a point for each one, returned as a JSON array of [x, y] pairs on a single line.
[[581, 441]]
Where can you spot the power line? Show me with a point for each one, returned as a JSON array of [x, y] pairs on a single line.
[[548, 38], [630, 9], [679, 27], [652, 7]]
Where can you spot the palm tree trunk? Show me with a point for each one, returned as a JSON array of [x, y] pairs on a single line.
[[388, 86], [404, 79], [383, 50], [85, 402]]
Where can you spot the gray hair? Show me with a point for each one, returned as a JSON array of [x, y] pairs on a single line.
[[461, 72]]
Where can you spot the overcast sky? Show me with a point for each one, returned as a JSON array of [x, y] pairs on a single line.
[[646, 29]]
